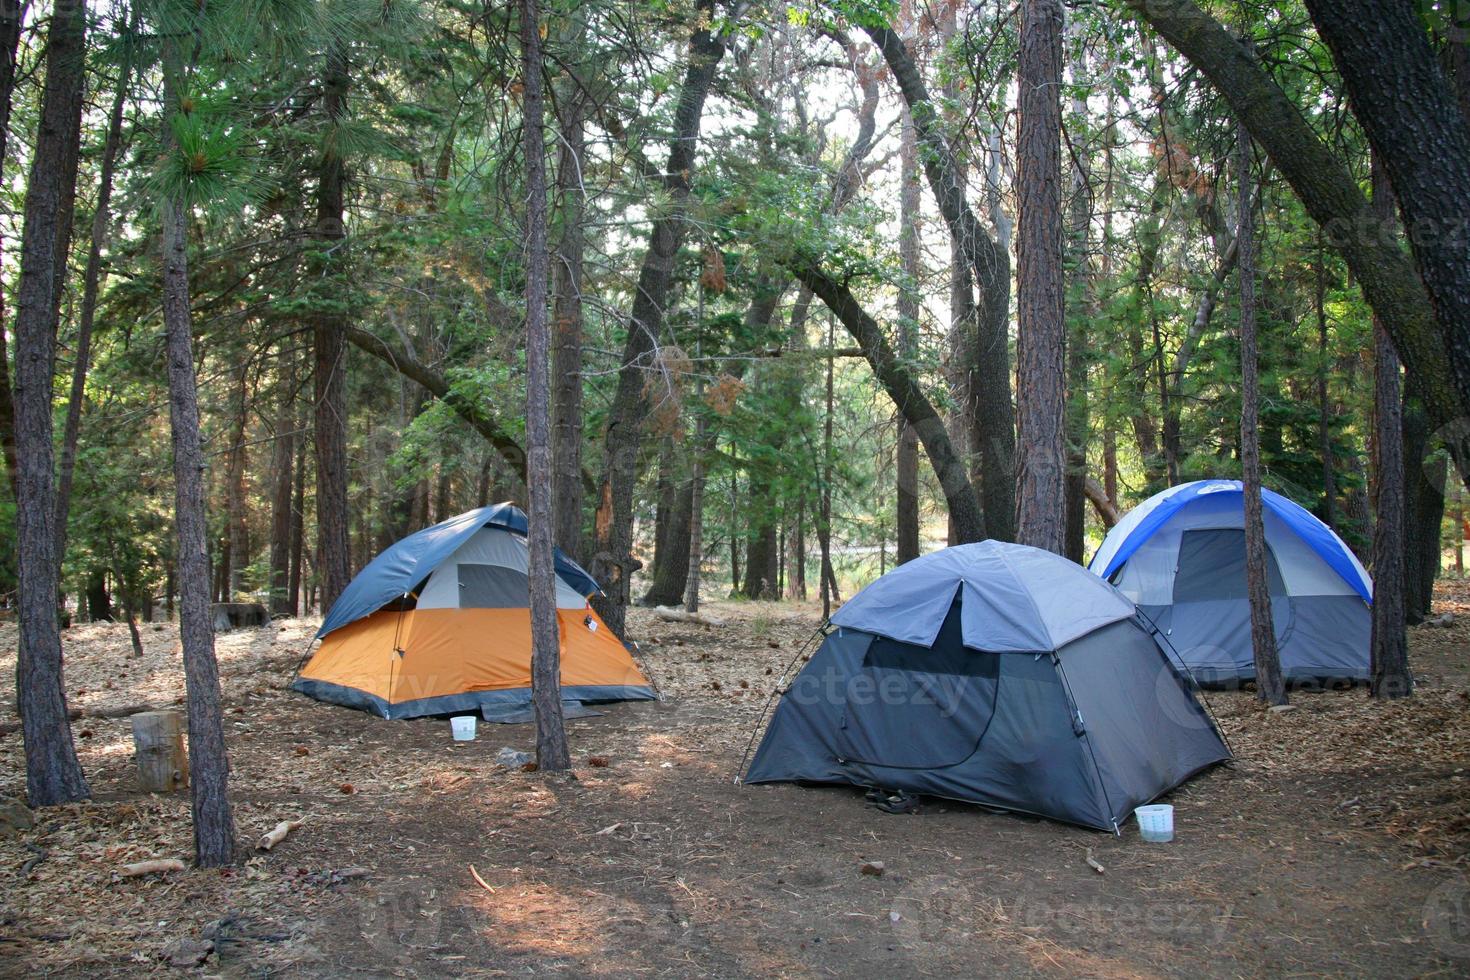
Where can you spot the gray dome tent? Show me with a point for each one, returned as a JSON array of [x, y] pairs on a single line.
[[998, 674]]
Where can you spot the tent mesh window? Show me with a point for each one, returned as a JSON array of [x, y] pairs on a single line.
[[491, 587], [1212, 566]]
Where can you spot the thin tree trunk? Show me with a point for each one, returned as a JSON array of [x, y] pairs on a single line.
[[11, 16], [991, 264], [53, 774], [1389, 647], [1040, 377], [298, 523], [907, 454], [1269, 686], [333, 562], [238, 551], [551, 736], [209, 767], [1324, 405], [824, 517], [613, 563], [1424, 478], [91, 281], [1074, 530], [696, 506], [283, 458], [566, 315]]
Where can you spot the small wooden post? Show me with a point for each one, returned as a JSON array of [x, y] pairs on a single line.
[[158, 745]]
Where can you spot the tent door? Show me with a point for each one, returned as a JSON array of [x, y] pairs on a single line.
[[1211, 614]]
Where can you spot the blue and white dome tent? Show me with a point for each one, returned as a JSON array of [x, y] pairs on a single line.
[[1180, 555]]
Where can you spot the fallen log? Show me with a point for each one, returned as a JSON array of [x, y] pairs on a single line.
[[277, 834], [155, 866], [676, 615]]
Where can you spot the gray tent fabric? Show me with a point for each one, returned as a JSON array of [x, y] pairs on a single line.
[[1010, 604], [1080, 731]]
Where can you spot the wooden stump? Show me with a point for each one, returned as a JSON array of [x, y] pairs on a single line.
[[238, 615], [158, 744]]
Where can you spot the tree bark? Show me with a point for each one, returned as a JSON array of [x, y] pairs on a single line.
[[992, 269], [91, 282], [53, 774], [566, 315], [551, 736], [298, 520], [283, 459], [214, 828], [1424, 478], [11, 16], [613, 563], [1269, 686], [1389, 648], [671, 554], [334, 562], [906, 517], [1413, 122], [1074, 528], [236, 522], [964, 504], [1324, 405], [824, 514], [1040, 375], [1331, 195]]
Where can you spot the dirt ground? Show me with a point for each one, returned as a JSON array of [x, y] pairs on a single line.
[[1336, 844]]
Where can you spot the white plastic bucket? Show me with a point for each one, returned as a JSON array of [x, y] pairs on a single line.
[[1155, 822], [463, 727]]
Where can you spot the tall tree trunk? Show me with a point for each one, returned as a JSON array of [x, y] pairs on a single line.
[[1324, 404], [551, 736], [236, 522], [613, 563], [1074, 529], [991, 264], [696, 506], [907, 468], [91, 281], [333, 562], [671, 551], [1389, 647], [1413, 122], [11, 16], [824, 516], [1332, 196], [298, 521], [283, 458], [1423, 511], [1040, 384], [566, 315], [209, 767], [53, 774], [1269, 686]]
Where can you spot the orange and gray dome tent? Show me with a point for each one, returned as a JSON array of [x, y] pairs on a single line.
[[439, 624]]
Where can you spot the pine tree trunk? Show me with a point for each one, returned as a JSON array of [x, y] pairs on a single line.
[[53, 774], [907, 468], [551, 737], [91, 281], [613, 563], [696, 506], [995, 430], [235, 519], [214, 828], [824, 516], [1074, 529], [1389, 648], [333, 561], [1040, 385], [566, 315], [1324, 404], [298, 522], [11, 15], [1424, 478], [283, 458], [1269, 686]]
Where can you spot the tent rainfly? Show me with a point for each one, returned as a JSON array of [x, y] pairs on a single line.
[[1181, 556], [998, 674], [439, 623]]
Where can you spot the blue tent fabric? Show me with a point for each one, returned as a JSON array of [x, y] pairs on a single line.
[[1301, 522], [1074, 713], [399, 568]]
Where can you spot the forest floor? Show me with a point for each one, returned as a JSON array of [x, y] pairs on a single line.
[[1338, 842]]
